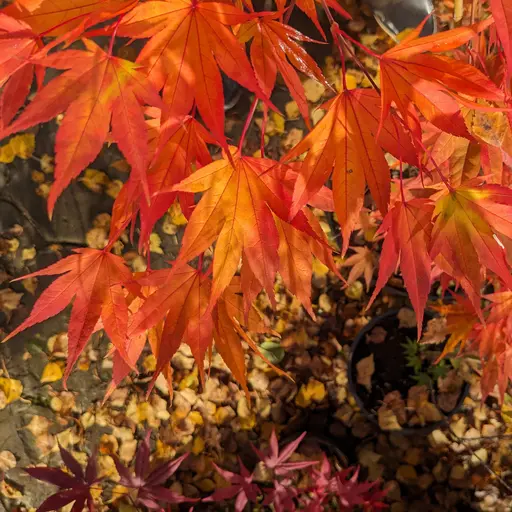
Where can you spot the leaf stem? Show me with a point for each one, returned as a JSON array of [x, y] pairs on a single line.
[[113, 38], [359, 64], [339, 37], [247, 123], [365, 49], [441, 175]]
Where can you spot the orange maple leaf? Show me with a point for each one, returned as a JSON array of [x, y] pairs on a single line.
[[17, 45], [407, 226], [236, 212], [182, 296], [433, 84], [190, 39], [458, 158], [308, 7], [274, 46], [56, 17], [345, 139], [94, 278], [96, 90], [468, 222], [178, 151], [363, 265]]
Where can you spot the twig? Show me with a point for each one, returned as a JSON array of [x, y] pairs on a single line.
[[484, 464]]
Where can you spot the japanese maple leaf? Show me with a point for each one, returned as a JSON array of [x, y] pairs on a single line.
[[345, 139], [180, 296], [56, 17], [363, 265], [408, 226], [433, 84], [274, 46], [299, 240], [135, 296], [502, 13], [242, 488], [468, 222], [296, 250], [282, 496], [460, 322], [309, 8], [17, 45], [458, 158], [179, 150], [276, 459], [351, 494], [95, 89], [148, 482], [94, 279], [235, 210], [493, 134], [190, 39], [75, 484]]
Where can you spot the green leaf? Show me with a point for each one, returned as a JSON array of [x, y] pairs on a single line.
[[272, 351]]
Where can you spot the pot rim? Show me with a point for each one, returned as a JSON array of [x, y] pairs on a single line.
[[352, 386]]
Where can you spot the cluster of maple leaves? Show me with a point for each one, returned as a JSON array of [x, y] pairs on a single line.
[[441, 107], [146, 484]]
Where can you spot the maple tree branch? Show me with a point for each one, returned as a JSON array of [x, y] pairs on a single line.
[[247, 123], [339, 37], [359, 64]]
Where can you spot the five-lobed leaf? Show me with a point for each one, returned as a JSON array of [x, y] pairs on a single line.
[[240, 195], [96, 90], [344, 143], [433, 84], [92, 280], [468, 222], [190, 40]]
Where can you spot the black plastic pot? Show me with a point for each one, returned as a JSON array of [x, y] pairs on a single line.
[[358, 345]]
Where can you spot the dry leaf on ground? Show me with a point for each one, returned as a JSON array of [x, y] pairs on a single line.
[[365, 369]]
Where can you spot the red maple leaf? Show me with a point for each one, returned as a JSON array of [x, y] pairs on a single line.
[[96, 90], [94, 279]]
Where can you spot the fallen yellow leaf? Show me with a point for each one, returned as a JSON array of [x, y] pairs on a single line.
[[52, 373], [11, 388]]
